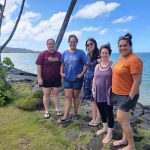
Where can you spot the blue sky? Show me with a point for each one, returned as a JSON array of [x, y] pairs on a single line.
[[103, 20]]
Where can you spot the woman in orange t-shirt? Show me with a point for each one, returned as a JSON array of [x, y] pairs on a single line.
[[126, 79]]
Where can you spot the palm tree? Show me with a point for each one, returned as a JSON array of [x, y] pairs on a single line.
[[2, 8], [65, 23], [14, 29]]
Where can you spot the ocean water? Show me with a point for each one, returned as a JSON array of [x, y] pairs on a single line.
[[26, 62]]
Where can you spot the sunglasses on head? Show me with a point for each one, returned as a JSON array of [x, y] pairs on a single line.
[[124, 37], [90, 44]]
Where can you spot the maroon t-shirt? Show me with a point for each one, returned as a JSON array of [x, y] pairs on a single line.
[[50, 63]]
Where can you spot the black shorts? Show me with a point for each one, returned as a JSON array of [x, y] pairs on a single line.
[[53, 83], [124, 102]]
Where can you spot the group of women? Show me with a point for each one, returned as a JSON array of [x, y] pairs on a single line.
[[104, 83]]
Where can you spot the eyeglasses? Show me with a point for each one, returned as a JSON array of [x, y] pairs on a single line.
[[90, 44]]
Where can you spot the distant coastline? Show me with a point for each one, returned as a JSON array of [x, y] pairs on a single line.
[[18, 50]]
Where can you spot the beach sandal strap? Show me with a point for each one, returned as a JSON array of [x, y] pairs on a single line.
[[46, 115]]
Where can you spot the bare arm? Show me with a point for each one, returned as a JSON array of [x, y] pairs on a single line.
[[62, 70], [93, 84], [39, 74], [137, 78]]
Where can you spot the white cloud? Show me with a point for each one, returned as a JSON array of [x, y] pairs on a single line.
[[122, 30], [78, 33], [103, 31], [49, 28], [89, 29], [123, 19], [10, 7], [38, 32], [95, 9]]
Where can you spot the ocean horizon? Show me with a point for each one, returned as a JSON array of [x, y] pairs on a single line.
[[26, 62]]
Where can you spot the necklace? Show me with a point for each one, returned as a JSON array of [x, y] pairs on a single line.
[[104, 67]]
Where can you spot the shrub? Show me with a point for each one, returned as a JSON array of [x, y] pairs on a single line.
[[5, 88], [7, 62], [31, 103]]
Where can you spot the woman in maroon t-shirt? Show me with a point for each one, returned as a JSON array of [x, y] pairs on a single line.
[[48, 72]]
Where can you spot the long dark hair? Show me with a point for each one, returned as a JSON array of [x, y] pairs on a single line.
[[95, 54]]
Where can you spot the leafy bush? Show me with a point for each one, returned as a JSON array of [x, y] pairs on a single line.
[[7, 62], [5, 88]]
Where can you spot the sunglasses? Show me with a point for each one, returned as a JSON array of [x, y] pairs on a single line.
[[124, 37], [90, 44]]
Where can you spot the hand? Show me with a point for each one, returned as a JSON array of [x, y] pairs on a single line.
[[40, 81], [129, 98], [50, 58], [80, 75], [62, 75]]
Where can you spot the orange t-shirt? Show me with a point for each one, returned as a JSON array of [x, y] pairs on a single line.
[[122, 73]]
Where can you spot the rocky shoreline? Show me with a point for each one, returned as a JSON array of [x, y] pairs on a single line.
[[140, 116]]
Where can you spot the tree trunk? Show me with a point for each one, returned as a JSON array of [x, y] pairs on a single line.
[[14, 29], [65, 23], [2, 14]]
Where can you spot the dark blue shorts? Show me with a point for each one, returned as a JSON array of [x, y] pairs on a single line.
[[53, 83], [75, 85], [124, 102]]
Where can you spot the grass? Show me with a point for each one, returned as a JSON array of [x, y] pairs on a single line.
[[27, 130], [21, 130]]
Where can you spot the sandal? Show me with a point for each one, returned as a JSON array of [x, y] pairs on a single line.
[[76, 117], [59, 113], [63, 120], [46, 115], [119, 143], [107, 139], [100, 132], [93, 124]]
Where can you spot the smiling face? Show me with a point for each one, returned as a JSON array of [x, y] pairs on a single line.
[[104, 54], [90, 46], [73, 43], [50, 45], [124, 47]]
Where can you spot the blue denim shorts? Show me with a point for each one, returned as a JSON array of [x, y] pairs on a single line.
[[124, 102], [75, 85]]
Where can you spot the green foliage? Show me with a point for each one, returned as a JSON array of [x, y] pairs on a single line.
[[31, 103], [5, 88], [7, 62]]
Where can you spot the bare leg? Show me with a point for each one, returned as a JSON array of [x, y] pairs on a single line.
[[124, 119], [46, 98], [55, 92], [68, 101], [76, 101], [108, 136], [95, 112]]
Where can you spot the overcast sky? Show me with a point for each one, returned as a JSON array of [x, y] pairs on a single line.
[[103, 20]]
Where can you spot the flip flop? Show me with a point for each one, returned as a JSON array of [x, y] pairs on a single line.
[[76, 117], [119, 143], [93, 124], [109, 138], [100, 132], [46, 115], [59, 113], [63, 120]]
